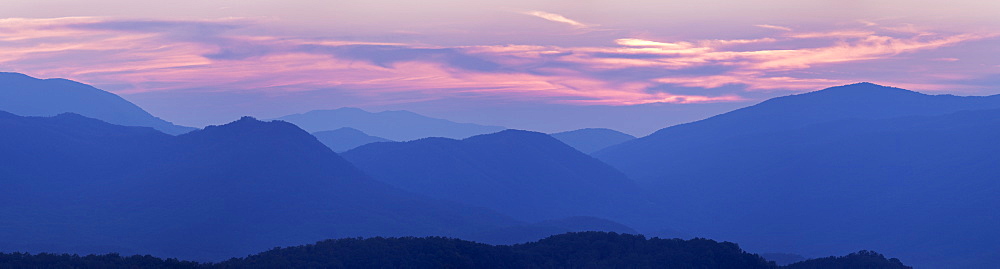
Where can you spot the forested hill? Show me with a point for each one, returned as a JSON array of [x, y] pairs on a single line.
[[571, 250]]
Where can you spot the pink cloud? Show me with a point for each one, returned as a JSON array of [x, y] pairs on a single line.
[[153, 56], [775, 27], [555, 18]]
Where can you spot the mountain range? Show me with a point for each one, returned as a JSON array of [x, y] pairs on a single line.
[[27, 96], [591, 140], [346, 138], [527, 175], [392, 125], [858, 165], [80, 185]]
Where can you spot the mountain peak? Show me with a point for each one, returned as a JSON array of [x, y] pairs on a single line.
[[393, 125], [863, 89], [338, 110], [347, 130], [518, 132], [346, 138], [248, 124], [511, 134], [591, 140], [24, 95], [12, 75]]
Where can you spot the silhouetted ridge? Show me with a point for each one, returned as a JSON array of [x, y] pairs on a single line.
[[857, 165], [856, 101], [861, 259], [75, 126], [79, 185], [528, 175], [590, 140], [346, 138], [27, 96], [394, 125], [860, 100], [513, 136], [864, 89], [571, 250], [260, 134], [279, 141], [251, 124], [535, 231]]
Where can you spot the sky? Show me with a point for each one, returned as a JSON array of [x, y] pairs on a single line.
[[549, 66]]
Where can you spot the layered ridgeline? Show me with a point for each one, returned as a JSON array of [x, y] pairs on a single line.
[[392, 125], [80, 185], [591, 140], [28, 96], [527, 175], [346, 138], [573, 250], [857, 166]]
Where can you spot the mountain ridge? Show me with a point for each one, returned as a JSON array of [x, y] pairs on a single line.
[[790, 112], [398, 125], [516, 172], [219, 192], [28, 96], [918, 163], [346, 138], [590, 140]]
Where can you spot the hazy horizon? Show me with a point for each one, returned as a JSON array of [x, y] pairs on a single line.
[[198, 63], [777, 134]]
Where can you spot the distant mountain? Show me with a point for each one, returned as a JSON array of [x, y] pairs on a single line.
[[74, 184], [527, 175], [346, 138], [571, 250], [838, 169], [28, 96], [641, 158], [590, 140], [392, 125]]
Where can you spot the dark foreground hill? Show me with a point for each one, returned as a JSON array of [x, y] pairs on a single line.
[[527, 175], [28, 96], [858, 166], [572, 250], [79, 185], [533, 232]]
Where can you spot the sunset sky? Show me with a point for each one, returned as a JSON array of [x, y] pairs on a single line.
[[542, 65]]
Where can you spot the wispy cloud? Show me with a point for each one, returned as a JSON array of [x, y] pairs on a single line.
[[775, 27], [833, 34], [555, 18], [226, 55]]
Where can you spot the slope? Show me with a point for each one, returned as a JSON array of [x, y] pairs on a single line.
[[642, 158], [392, 125], [28, 96], [346, 138], [591, 140], [920, 187], [527, 175], [75, 184]]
